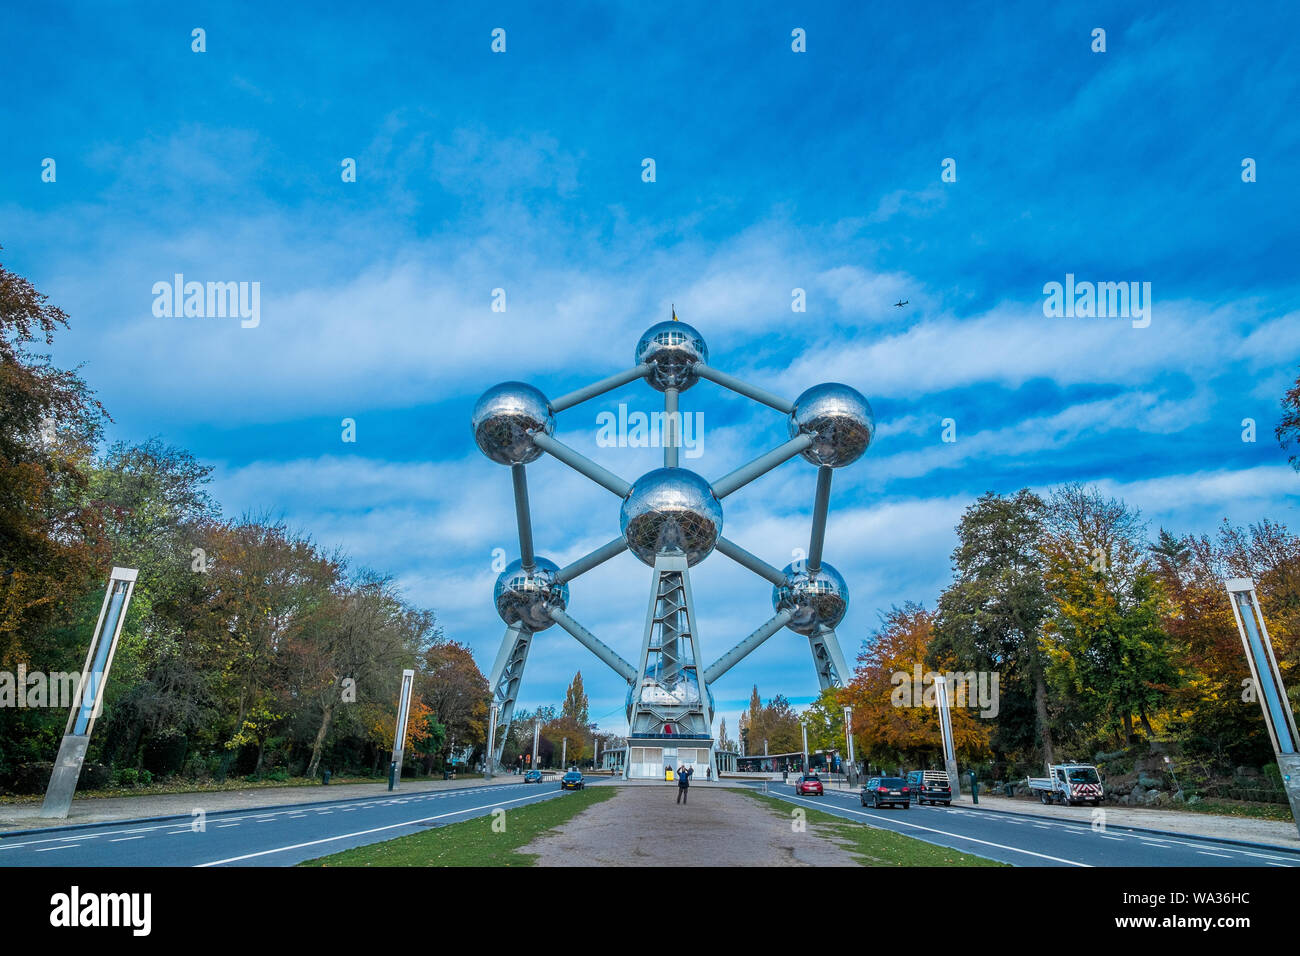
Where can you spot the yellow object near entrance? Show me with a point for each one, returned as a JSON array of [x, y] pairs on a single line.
[[668, 773]]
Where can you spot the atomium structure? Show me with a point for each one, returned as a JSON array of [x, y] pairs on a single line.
[[670, 519]]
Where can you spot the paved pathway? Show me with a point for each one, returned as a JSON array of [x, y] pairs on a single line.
[[643, 826]]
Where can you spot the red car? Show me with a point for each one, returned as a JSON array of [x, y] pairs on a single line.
[[808, 783]]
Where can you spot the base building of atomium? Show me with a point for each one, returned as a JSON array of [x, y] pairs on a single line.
[[671, 520]]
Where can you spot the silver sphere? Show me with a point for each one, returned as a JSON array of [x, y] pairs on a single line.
[[505, 418], [522, 596], [671, 509], [672, 348], [840, 420], [821, 598]]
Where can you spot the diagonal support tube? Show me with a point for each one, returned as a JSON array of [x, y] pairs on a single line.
[[744, 388], [821, 504], [746, 647], [599, 388], [760, 465], [587, 562], [582, 464], [594, 644], [828, 658], [751, 561], [522, 516]]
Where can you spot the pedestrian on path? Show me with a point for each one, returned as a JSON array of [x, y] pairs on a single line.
[[683, 782]]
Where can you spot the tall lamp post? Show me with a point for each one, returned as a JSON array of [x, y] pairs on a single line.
[[1268, 685], [852, 767]]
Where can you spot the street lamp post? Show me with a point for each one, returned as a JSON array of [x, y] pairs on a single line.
[[804, 725], [848, 741], [492, 743]]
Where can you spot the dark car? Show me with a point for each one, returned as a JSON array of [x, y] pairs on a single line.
[[887, 791], [930, 786], [572, 781], [532, 776], [808, 783]]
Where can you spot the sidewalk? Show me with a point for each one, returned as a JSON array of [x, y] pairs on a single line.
[[17, 817], [1245, 829]]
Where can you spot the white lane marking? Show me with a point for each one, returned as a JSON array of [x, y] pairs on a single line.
[[1267, 863], [1207, 853], [1158, 846], [226, 826], [346, 836], [124, 839], [1111, 838], [958, 836], [66, 846]]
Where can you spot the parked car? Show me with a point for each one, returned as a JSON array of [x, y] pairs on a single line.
[[887, 791], [532, 776], [572, 781], [808, 783], [930, 786]]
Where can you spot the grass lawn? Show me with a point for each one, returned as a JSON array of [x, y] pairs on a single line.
[[873, 847], [473, 842]]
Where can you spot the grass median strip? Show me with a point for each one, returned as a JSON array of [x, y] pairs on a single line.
[[875, 847], [483, 841]]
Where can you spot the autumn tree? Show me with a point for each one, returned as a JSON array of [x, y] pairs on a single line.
[[51, 542], [895, 719], [458, 693]]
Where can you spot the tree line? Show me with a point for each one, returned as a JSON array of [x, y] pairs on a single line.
[[247, 649]]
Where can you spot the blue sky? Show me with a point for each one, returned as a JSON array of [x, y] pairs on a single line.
[[775, 170]]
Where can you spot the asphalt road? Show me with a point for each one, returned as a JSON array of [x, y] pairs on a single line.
[[278, 836], [1035, 841], [285, 835]]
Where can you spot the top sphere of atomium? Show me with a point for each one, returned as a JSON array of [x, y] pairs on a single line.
[[522, 596], [505, 418], [816, 600], [840, 421], [671, 349], [671, 509]]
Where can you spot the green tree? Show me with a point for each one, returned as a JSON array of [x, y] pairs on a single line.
[[990, 618], [575, 705], [1109, 655]]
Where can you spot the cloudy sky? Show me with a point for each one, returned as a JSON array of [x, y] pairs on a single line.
[[775, 170]]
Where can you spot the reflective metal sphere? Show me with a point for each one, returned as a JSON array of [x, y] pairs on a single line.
[[522, 596], [672, 348], [671, 509], [505, 418], [840, 420], [823, 599]]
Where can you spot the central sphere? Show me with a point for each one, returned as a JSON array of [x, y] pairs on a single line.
[[522, 596], [840, 420], [671, 509], [672, 349], [505, 418], [817, 599]]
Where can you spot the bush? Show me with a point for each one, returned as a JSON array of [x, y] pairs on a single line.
[[32, 777], [279, 776], [127, 777], [146, 778], [94, 776], [197, 768]]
